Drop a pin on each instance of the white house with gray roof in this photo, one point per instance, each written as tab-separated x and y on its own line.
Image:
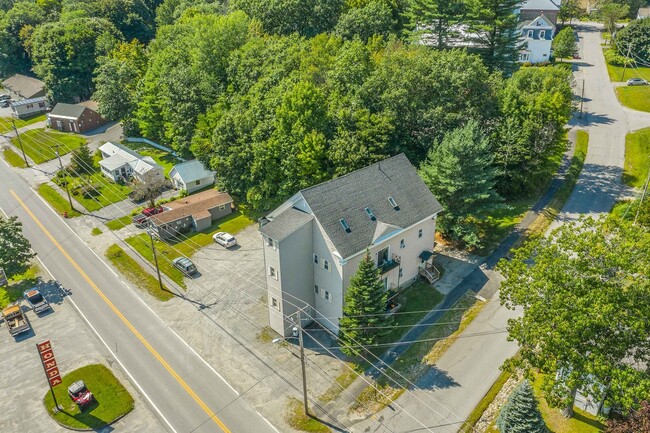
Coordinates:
314	242
190	176
120	162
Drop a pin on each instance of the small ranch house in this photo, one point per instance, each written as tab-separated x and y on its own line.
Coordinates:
120	163
80	117
29	107
24	87
190	176
192	213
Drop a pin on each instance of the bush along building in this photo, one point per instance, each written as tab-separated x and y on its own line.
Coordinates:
313	243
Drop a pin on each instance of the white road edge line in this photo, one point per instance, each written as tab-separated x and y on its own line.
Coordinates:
268	422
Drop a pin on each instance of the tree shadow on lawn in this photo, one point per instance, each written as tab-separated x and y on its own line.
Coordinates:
87	418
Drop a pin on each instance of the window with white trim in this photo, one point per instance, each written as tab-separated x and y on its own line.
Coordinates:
328	296
270	242
531	33
273	273
315	258
316	290
542	34
420	233
326	265
221	207
275	304
402	244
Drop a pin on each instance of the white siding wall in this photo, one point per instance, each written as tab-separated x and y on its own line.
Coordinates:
329	280
540	50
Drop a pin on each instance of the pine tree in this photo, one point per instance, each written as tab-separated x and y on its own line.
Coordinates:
436	16
82	160
460	174
364	308
520	414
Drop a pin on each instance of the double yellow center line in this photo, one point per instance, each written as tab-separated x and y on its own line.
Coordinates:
135	332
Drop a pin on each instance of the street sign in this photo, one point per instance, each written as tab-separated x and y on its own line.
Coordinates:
3	278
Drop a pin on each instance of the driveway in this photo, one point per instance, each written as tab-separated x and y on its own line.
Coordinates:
23	381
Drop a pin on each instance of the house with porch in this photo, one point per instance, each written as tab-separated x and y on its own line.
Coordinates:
313	243
120	163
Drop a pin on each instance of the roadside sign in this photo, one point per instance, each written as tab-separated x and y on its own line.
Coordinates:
49	362
3	278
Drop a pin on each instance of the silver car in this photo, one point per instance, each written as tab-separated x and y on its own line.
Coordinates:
637	82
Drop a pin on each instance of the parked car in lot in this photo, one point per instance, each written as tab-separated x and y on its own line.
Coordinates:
224	239
80	394
637	82
36	301
5	103
139	220
185	265
15	320
150	211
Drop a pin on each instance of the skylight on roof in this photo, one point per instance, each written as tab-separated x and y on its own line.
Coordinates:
393	203
370	214
345	225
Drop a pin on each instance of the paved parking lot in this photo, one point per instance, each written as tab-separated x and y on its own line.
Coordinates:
22	379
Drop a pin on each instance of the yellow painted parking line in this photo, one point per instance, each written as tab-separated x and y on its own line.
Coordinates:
108	302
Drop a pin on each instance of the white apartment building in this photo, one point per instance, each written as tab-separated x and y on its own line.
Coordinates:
314	242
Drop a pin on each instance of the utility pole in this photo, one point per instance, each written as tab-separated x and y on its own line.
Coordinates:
629	50
155	258
67	188
645	190
302	364
582	97
20	142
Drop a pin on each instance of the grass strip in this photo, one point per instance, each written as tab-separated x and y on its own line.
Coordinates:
548	214
13	158
17	285
96	231
55	200
135	274
488	398
5	122
119	223
634	97
112	400
40	145
296	418
637	157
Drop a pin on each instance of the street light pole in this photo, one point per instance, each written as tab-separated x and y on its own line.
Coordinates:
20	142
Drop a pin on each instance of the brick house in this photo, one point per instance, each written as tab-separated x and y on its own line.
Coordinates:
80	117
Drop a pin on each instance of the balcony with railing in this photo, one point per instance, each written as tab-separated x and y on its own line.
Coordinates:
389	264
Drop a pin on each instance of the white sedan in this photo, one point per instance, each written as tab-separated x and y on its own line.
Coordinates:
225	239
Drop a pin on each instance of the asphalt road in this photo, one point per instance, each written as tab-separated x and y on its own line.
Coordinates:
185	392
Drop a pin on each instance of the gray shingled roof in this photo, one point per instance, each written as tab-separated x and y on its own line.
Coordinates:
67	110
286	223
346	197
541	5
25	86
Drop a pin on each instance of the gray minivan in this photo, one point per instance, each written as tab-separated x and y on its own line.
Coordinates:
185	265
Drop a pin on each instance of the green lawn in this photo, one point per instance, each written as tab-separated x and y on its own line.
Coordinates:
581	422
40	145
634	97
296	418
616	73
135	274
112	399
96	231
637	158
119	223
163	158
59	203
17	285
13	158
5	122
500	222
232	224
102	193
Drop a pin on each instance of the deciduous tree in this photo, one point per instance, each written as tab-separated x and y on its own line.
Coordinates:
610	12
460	174
564	43
364	309
635	39
15	249
585	298
638	421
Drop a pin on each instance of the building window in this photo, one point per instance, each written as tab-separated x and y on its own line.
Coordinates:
222	207
382	257
393	203
270	242
326	265
530	33
402	244
30	105
315	258
370	214
198	182
316	289
273	273
328	296
524	57
275	304
401	272
542	33
345	225
420	233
